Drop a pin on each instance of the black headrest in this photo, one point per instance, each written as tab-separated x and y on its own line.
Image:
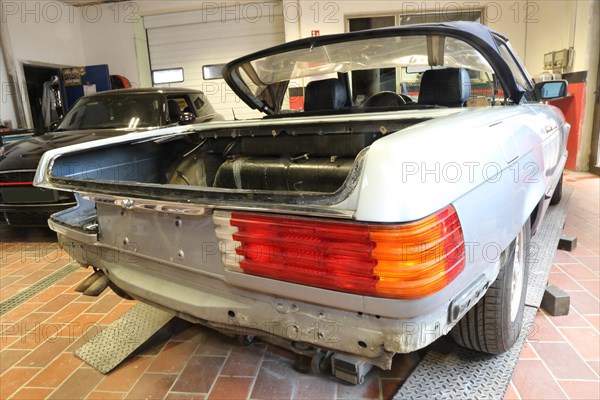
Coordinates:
327	94
174	110
449	87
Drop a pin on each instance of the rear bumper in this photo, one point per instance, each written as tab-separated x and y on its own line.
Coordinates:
211	299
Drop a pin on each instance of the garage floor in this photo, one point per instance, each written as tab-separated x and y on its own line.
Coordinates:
561	358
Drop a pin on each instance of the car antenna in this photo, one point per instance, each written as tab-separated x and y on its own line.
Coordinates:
234	117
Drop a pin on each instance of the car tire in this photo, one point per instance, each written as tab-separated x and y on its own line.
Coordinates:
494	323
557	195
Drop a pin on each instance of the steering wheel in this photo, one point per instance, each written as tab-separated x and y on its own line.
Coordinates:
385	99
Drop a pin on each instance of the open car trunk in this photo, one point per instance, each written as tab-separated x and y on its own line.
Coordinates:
257	161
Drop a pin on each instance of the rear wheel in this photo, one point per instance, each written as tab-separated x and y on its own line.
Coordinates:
494	323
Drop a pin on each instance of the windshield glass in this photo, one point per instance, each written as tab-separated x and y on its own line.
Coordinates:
120	110
368	66
388	52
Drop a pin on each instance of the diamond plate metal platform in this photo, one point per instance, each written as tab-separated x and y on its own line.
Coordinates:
123	337
451	372
38	287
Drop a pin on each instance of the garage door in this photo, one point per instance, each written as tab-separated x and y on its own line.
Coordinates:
213	36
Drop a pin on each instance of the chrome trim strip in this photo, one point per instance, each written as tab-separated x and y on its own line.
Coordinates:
12	171
205	210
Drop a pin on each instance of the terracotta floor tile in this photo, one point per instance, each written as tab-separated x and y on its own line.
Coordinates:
243	361
13	379
280	354
10	291
125	375
533	381
563	361
511	393
578	272
593	287
34	277
32	394
152	386
186	396
32	321
7	340
10	357
581	250
572	319
585	340
543	331
78	385
56	372
105	304
116	313
584	302
563	257
6	281
214	344
315	387
18	313
49	294
276	380
595	365
594	320
199	374
173	357
58	302
578	390
84	324
98	395
528	353
226	388
75	277
44	354
564	280
590	262
69	313
191	333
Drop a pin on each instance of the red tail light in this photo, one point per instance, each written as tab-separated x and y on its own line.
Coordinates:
405	261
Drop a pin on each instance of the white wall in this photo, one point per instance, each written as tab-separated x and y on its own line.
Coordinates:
42	32
108	36
7	111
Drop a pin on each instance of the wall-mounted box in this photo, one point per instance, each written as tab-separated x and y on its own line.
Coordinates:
557	59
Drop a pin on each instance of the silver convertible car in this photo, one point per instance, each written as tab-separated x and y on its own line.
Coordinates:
387	197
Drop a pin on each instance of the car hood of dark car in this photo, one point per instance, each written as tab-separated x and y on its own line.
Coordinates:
26	153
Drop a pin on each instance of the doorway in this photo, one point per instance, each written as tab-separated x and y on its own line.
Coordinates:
39	80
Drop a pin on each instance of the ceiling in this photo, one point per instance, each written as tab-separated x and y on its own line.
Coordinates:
153	7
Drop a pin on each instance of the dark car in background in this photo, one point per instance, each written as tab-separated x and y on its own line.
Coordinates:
93	117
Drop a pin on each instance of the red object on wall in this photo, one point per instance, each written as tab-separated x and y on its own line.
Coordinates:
573	107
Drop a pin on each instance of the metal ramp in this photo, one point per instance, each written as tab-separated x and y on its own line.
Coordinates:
125	336
451	372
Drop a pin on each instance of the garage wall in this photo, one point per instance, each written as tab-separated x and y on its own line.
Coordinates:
108	36
42	32
213	36
7	111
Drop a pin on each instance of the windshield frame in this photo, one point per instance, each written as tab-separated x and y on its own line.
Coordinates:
476	35
157	121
